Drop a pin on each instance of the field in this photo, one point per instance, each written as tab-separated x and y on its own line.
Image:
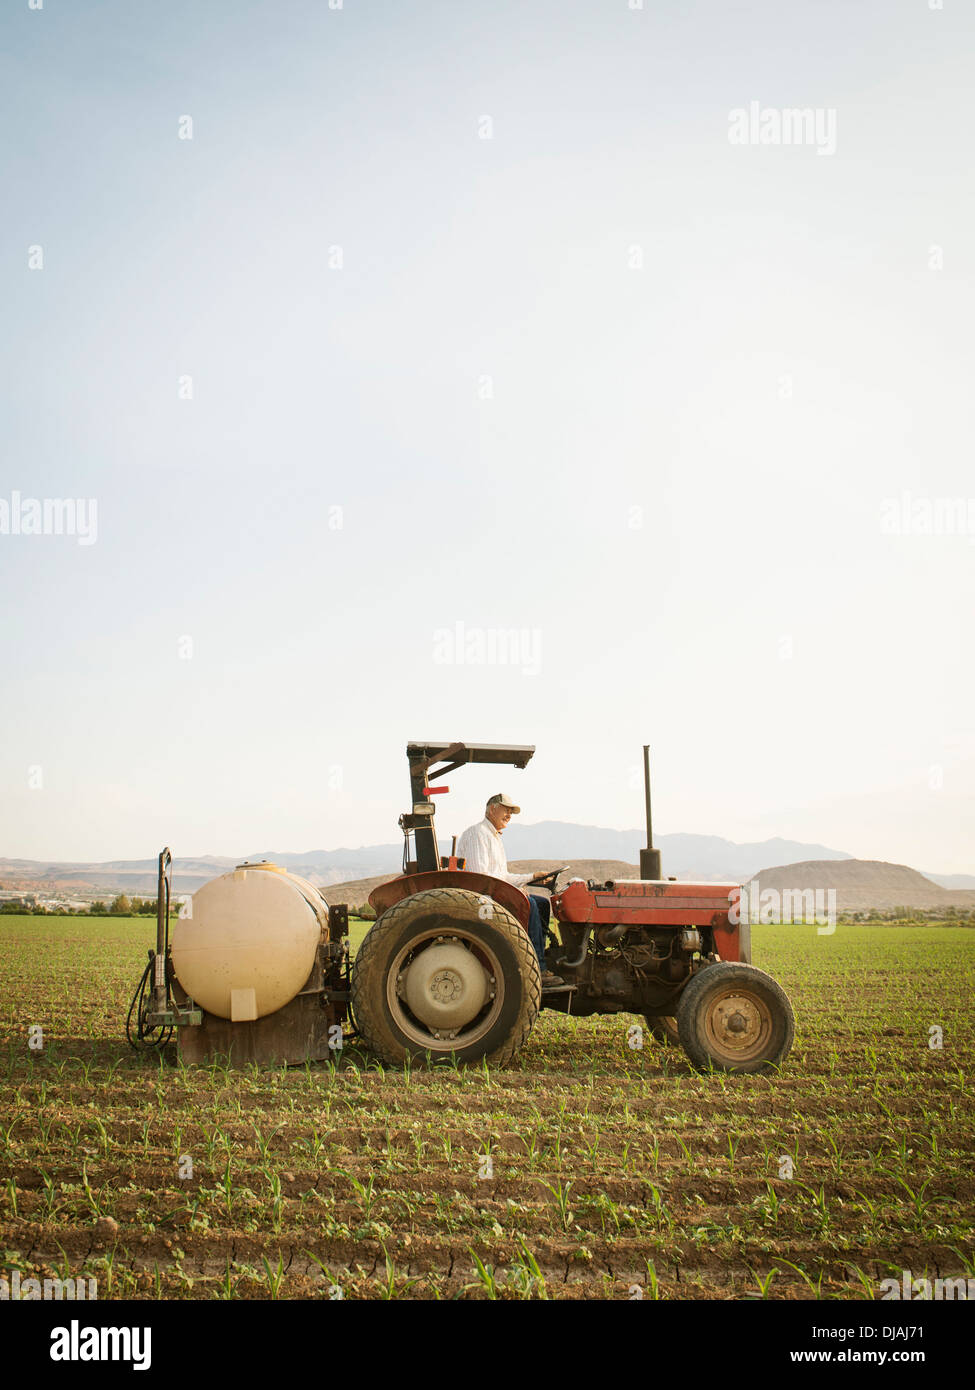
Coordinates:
589	1168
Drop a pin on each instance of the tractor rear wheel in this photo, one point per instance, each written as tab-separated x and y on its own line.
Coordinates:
735	1018
446	971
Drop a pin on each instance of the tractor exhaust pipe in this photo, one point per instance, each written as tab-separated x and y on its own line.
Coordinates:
649	857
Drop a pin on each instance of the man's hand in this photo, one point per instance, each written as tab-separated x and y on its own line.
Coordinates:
545	880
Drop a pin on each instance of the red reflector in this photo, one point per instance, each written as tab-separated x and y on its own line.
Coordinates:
434	791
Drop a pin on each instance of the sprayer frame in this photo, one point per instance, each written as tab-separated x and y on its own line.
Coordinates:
166	1011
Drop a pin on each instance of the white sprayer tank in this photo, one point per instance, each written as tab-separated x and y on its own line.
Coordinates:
248	944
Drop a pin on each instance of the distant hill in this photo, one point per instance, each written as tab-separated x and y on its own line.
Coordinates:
684	856
862	884
592	851
952	880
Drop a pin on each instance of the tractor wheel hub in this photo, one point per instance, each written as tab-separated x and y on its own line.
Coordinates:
445	986
738	1021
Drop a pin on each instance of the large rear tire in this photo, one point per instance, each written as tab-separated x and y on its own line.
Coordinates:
444	972
735	1018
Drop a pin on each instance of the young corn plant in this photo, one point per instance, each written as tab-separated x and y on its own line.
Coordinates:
836	1156
820	1204
226	1185
274	1275
6	1141
526	1277
561	1195
87	1189
764	1284
487	1279
606	1210
51	1205
265	1144
817	1287
661	1216
103	1136
226	1287
773	1203
919	1203
390	1289
364	1191
867	1284
277	1201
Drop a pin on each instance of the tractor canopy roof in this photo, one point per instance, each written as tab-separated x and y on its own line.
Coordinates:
426	754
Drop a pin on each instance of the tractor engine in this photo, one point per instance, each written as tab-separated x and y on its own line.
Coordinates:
630	946
627	974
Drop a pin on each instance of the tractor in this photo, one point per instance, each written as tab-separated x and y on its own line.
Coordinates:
259	968
448	967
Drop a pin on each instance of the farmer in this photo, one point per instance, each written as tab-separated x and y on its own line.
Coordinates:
481	847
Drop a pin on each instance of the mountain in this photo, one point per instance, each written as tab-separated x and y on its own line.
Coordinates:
684	856
704	857
952	880
137	877
861	884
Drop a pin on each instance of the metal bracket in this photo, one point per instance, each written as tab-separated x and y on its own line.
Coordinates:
176	1017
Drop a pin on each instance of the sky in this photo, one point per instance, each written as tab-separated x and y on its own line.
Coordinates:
503	372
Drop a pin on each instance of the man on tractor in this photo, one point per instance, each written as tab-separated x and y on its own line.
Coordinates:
481	848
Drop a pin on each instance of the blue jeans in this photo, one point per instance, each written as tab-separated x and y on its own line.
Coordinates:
541	914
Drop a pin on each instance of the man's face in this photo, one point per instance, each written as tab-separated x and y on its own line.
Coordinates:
499	816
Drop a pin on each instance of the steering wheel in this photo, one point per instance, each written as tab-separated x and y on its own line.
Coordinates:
548	880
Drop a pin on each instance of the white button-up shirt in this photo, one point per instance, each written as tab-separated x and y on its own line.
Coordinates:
480	845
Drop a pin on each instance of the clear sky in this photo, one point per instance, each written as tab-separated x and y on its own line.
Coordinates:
489	321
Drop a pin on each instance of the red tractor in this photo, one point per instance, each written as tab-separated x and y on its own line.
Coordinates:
449	969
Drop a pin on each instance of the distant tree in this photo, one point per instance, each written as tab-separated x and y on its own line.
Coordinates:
122	906
99	909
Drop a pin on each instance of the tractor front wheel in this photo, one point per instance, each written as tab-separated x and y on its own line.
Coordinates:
444	972
735	1018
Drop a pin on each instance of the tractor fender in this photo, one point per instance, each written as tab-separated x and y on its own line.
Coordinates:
497	889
